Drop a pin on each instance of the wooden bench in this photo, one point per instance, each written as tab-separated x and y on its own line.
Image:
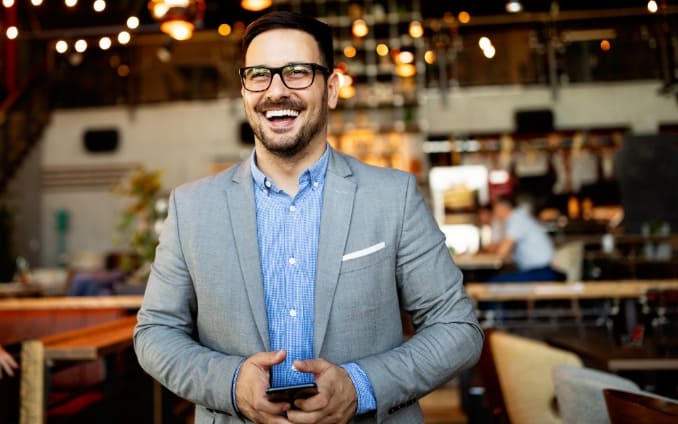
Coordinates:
74	346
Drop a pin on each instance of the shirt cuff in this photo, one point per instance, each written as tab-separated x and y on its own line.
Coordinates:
235	379
363	388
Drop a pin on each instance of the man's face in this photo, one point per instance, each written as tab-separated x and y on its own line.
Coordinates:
285	121
501	211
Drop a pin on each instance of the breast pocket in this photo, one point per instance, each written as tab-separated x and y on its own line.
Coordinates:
363	258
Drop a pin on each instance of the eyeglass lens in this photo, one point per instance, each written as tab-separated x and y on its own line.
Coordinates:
296	76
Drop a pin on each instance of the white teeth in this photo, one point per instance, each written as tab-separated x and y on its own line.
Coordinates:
281	113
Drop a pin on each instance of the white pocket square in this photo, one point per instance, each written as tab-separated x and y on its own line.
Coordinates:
363	252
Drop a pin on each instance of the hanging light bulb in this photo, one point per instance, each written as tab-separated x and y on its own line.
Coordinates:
255	5
359	28
513	6
177	17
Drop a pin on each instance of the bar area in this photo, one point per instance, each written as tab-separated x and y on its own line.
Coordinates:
541	135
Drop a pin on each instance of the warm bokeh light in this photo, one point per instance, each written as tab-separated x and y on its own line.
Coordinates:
349	51
105	43
406	70
8	3
484	43
123	70
12	32
178	29
224	30
430	57
359	28
652	6
70	3
416	30
158	9
61	46
347	91
605	45
132	22
124	37
255	5
382	49
405	57
464	17
513	6
36	2
489	52
80	46
99	5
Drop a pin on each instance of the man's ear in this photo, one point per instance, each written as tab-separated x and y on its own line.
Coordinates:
333	82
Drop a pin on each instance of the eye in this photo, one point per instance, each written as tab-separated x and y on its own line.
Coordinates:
297	71
257	73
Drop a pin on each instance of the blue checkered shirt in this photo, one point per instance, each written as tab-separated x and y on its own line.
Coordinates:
288	230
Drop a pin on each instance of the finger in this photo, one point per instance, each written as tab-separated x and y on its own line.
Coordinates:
314	366
268	359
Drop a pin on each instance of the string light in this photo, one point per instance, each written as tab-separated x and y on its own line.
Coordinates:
36	2
359	28
464	17
70	3
105	43
416	30
255	5
124	37
382	49
99	5
224	30
513	6
8	3
132	22
80	46
430	57
652	6
12	32
61	46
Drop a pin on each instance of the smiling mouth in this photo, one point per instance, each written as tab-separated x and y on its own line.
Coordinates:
281	114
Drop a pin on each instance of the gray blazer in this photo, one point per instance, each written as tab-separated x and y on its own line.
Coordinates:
380	249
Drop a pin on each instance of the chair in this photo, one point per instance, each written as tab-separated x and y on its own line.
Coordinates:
524	370
568	259
580	393
639	408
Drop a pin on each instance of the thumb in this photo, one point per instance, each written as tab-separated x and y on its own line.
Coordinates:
313	366
268	359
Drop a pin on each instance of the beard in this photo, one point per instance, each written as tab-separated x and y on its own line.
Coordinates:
288	145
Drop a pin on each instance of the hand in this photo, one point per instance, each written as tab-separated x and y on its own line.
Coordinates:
336	401
7	363
250	389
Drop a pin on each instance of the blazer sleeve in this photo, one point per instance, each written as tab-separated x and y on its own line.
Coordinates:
164	338
448	338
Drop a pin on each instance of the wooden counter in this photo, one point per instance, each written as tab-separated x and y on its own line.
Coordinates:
621	289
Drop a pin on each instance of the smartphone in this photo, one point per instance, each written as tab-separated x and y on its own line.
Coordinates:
291	393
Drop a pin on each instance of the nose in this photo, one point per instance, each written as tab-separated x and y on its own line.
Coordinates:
277	87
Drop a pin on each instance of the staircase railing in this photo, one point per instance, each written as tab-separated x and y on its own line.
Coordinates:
23	116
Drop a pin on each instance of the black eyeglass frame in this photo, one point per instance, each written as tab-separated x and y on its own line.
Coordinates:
278	70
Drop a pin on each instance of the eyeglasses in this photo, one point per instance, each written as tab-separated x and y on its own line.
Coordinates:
295	76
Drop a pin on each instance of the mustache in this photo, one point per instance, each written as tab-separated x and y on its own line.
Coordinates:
282	104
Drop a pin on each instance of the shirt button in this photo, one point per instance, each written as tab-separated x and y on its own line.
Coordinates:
293	208
315	184
293	312
292	261
267	183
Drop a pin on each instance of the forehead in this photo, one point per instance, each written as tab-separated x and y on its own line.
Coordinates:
281	46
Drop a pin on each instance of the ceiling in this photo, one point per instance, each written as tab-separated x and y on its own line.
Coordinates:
53	18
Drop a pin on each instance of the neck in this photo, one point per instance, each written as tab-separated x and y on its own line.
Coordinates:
285	171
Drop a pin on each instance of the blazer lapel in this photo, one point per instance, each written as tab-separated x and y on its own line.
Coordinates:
244	226
335	220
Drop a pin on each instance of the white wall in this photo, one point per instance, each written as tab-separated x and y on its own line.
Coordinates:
185	138
491	109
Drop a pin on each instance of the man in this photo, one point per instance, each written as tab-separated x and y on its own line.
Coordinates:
291	267
526	241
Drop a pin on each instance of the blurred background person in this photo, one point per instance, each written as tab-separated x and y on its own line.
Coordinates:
525	242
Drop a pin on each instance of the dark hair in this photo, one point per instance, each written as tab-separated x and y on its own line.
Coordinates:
320	31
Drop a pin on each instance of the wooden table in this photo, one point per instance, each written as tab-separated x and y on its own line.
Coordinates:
485	261
598	346
85	344
621	289
14	290
71	303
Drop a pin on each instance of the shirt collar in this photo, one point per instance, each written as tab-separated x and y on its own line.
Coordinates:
316	173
